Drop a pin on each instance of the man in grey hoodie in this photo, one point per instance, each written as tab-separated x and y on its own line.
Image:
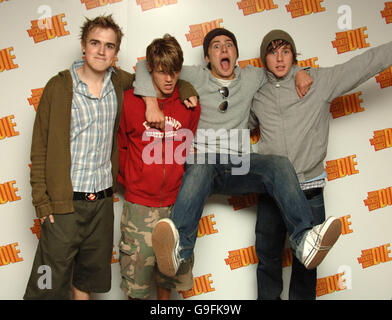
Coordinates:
298	129
226	93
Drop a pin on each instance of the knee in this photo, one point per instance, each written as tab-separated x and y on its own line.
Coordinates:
283	165
281	161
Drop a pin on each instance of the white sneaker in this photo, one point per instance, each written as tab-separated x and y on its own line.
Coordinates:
318	241
165	242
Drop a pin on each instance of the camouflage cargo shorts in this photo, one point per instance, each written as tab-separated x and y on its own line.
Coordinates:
137	258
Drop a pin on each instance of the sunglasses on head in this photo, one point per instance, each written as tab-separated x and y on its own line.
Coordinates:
224	91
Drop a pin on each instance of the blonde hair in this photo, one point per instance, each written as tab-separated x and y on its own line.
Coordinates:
165	52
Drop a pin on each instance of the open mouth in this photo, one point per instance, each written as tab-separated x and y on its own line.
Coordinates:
225	64
168	87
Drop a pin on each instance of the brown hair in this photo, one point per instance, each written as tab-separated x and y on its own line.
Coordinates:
104	22
165	52
276	44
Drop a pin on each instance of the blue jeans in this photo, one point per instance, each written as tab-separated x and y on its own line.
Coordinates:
268	174
270	241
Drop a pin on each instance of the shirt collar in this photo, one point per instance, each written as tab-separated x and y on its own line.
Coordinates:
237	72
273	78
76	81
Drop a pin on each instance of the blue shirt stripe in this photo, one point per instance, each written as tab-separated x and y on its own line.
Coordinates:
92	122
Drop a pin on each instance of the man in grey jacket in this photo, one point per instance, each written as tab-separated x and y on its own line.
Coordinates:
298	129
226	92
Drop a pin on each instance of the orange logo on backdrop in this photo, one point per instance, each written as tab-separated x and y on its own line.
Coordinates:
350	40
2	1
242	257
245	201
299	8
255	6
287	259
311	62
379	199
36	228
255	135
374	256
387	12
152	4
206	226
345	105
114	259
6	58
197	32
9	254
35	97
246	256
256	62
201	285
385	78
8	192
341	167
346	224
382	139
7	127
48	29
92	4
114	63
330	284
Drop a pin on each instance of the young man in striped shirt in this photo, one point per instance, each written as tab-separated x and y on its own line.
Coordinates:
74	160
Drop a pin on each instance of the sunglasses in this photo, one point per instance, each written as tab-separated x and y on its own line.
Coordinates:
224	91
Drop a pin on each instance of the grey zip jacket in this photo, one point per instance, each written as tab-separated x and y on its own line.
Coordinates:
298	129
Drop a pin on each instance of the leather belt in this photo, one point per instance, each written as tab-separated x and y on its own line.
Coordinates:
311	193
91	196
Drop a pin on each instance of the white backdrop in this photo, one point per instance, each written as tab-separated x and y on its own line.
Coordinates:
225	266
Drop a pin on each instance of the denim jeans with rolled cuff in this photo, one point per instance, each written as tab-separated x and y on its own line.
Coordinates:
267	174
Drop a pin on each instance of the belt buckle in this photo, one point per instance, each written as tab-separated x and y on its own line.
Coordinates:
90	197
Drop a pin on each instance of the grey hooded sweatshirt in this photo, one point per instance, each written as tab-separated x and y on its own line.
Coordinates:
299	128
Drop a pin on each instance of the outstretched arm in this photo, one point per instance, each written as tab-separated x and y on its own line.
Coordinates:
344	77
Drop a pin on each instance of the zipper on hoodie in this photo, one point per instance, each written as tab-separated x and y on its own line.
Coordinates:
163	160
277	99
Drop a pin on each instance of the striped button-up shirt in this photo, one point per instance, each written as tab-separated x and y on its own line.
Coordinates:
92	122
317	182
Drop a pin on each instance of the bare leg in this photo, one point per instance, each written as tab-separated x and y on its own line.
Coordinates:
80	295
163	294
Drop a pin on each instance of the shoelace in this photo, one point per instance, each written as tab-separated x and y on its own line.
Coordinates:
316	242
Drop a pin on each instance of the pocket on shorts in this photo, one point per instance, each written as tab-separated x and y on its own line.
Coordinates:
127	248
